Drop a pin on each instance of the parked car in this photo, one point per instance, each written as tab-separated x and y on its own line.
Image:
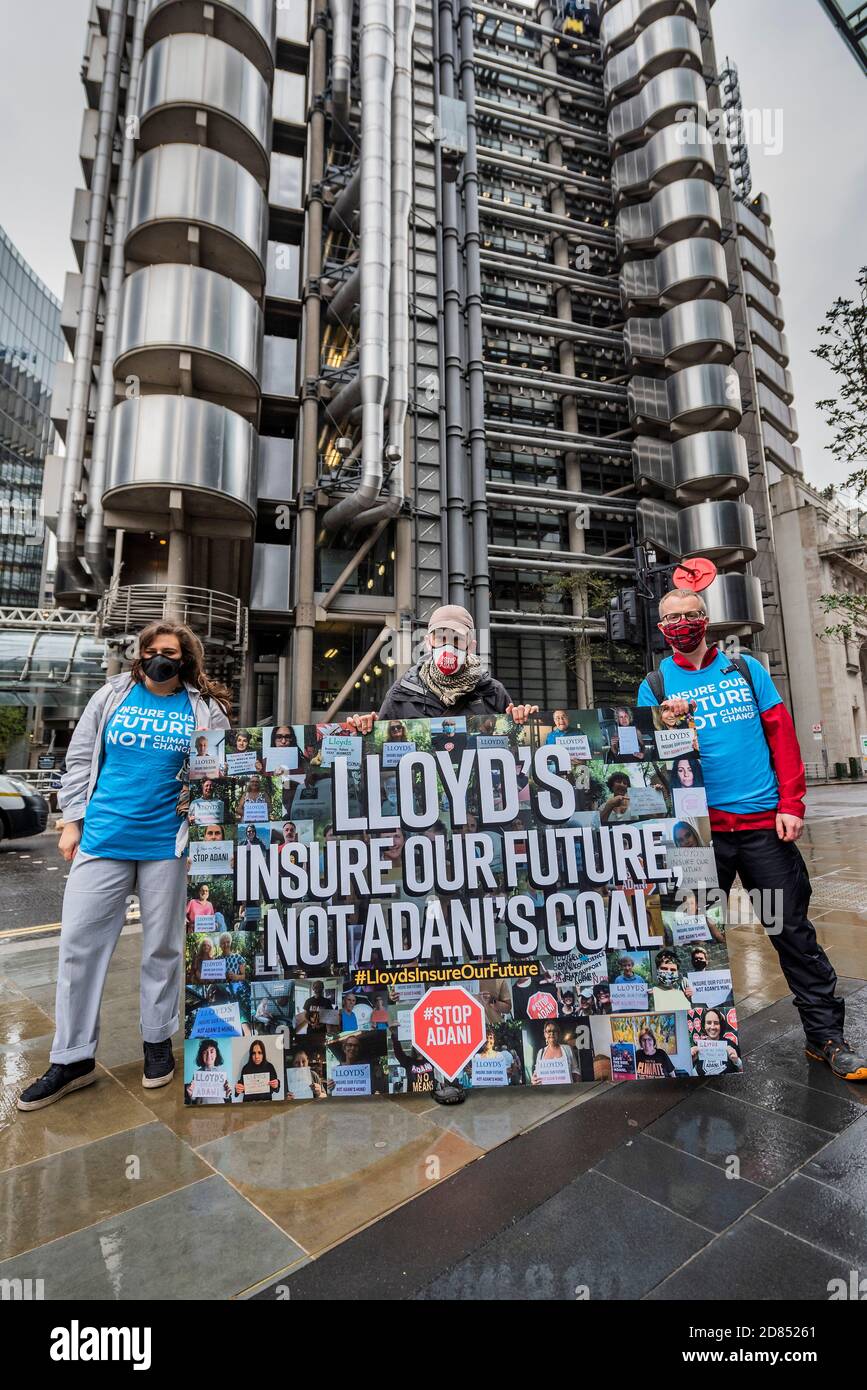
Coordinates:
23	811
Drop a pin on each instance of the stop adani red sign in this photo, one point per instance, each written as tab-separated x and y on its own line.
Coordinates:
448	1028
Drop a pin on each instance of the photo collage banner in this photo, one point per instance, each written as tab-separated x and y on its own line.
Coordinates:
553	883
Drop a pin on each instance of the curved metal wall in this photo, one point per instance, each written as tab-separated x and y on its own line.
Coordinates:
178	186
160	443
170	309
675	282
185	74
248	25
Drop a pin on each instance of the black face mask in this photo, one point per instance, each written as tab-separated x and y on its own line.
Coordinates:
161	668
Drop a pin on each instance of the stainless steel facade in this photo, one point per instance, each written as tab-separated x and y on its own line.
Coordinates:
413	302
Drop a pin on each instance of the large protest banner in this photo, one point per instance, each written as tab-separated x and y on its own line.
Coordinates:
505	905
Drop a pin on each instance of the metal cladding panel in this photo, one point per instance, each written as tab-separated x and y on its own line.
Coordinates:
189	307
668	43
721	530
682	272
159	443
699	394
682	151
700	330
248	25
197	72
658	104
734	603
623	22
703	461
190	184
685	208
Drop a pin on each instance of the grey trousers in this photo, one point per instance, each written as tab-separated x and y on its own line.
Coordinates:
94	908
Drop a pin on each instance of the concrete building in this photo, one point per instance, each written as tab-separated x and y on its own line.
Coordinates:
822	549
30	344
383	303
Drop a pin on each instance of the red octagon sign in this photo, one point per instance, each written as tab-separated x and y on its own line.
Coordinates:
448	1027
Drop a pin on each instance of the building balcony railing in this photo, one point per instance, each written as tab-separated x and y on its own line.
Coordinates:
218	620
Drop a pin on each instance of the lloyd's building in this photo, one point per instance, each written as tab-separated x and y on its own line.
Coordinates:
387	303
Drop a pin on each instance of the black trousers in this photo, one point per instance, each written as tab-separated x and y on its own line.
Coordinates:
763	861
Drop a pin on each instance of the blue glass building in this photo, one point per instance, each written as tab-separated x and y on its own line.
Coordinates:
30	343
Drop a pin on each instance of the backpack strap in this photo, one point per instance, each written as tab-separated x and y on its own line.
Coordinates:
656	682
742	666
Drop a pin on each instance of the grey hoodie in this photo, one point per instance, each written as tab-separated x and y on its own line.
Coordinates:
84	755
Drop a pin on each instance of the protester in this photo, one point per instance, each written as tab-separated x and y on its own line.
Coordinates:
755	784
257	1064
561	1066
210	1058
449	680
134	734
651	1062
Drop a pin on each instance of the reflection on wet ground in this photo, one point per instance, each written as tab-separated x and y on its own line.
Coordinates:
220	1202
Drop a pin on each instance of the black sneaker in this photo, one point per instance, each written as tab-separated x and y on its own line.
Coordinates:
58	1081
159	1064
449	1093
838	1055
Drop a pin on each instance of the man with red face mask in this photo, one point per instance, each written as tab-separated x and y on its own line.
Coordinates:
449	679
755	783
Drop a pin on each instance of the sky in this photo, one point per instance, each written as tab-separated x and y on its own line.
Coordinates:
789	56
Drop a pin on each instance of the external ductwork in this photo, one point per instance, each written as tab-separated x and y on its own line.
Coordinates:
341	58
73	463
625	20
697	398
346	204
682	151
692	269
669	43
94	534
709	465
377	74
685	208
698	331
666	98
401	200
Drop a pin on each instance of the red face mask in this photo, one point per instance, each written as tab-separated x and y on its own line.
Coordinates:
685	635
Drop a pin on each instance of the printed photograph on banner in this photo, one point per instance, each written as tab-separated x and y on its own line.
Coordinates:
243	752
209	802
257	1070
272	1007
216	1010
211	903
359	881
211	850
713	1039
674	735
207	1069
628	734
578	731
207	756
553	1052
357	1064
284	750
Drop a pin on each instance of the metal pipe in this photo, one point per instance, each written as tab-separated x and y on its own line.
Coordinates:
556	385
456	529
377	72
345	205
554	440
341	66
305	549
475	341
544	630
343	306
82	368
373	650
94	532
398	311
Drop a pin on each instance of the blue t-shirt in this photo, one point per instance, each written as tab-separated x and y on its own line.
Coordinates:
735	758
133	811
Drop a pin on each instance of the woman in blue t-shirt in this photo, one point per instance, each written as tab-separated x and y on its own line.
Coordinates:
124	800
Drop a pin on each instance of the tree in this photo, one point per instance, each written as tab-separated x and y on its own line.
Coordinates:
844	349
12	726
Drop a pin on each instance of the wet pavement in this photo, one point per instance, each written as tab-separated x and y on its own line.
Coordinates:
752	1186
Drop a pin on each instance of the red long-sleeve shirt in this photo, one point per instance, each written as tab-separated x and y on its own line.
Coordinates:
787	762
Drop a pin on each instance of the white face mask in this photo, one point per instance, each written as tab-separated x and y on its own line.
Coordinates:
448	659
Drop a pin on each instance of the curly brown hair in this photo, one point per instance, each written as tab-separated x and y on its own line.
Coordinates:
192	670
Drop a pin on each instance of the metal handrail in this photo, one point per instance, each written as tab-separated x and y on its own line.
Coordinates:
217	619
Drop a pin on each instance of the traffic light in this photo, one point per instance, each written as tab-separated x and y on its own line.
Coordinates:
622	620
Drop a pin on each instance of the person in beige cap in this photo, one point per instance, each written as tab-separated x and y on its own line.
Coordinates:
449	679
